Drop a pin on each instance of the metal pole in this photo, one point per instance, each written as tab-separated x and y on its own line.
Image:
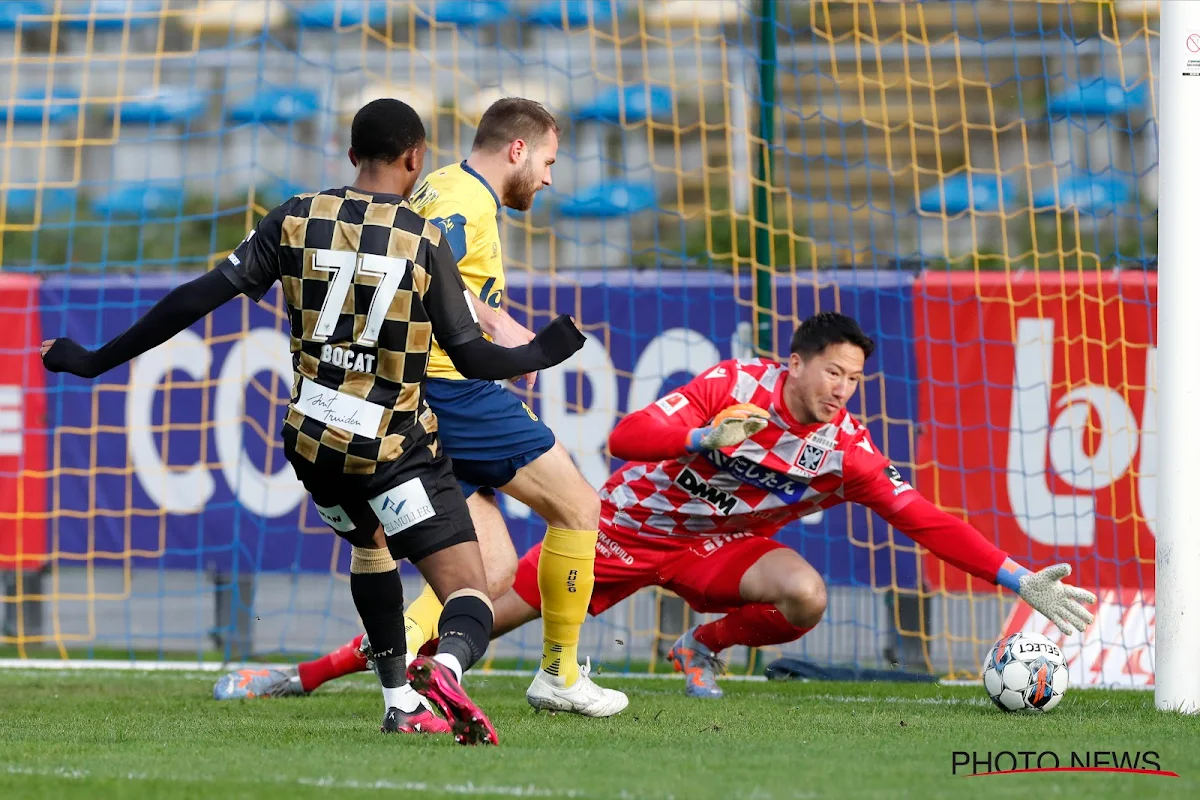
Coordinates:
1177	554
763	273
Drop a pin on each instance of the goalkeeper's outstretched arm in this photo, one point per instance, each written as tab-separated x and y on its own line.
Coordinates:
183	306
958	543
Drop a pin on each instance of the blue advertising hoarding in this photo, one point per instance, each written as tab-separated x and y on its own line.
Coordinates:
175	460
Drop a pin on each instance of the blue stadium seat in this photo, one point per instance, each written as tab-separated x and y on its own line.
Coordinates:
273	191
1097	97
325	13
608	199
985	189
278	104
165	105
55	200
117	9
1094	195
577	13
466	13
640	103
10	10
140	199
30	106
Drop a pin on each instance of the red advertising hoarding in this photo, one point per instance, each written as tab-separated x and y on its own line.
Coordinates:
23	442
1036	421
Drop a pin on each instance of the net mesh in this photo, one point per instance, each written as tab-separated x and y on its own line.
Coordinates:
975	181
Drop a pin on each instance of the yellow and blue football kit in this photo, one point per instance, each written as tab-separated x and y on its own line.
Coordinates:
487	431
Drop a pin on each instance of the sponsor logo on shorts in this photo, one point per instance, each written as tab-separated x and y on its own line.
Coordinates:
402	506
610	549
336	518
694	485
712	544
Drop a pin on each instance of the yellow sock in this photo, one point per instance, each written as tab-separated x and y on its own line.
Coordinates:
421	619
565	578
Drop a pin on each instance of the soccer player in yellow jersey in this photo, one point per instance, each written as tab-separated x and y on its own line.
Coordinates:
493	439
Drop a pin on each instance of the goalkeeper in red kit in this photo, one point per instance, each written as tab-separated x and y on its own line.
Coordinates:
713	471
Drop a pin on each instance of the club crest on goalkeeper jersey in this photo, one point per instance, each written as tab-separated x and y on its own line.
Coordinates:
784	472
368	283
458	200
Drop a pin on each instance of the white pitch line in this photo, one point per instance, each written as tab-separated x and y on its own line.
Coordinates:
71	665
468	788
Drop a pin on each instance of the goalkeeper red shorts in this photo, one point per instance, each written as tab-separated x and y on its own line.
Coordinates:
706	573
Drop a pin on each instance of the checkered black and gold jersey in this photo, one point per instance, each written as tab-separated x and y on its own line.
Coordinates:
368	283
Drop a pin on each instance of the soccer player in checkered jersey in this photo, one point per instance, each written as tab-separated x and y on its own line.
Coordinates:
716	468
368	283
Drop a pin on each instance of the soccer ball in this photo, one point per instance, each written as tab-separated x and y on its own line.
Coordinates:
1025	672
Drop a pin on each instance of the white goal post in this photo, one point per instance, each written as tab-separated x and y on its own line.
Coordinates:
1177	559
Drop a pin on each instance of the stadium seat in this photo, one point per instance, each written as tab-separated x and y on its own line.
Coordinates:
609	199
113	15
331	14
54	201
465	13
149	199
33	105
12	10
280	104
270	192
639	101
982	192
947	224
164	105
1097	97
1093	195
602	223
571	13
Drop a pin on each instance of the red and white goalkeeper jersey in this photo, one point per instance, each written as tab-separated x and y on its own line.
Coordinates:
784	472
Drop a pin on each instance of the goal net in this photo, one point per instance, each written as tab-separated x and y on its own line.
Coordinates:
974	181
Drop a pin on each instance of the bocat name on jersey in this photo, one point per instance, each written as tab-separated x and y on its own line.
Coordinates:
348	359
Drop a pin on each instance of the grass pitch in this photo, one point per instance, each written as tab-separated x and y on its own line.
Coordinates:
120	734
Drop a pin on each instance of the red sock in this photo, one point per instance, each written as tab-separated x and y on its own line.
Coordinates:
345	660
755	625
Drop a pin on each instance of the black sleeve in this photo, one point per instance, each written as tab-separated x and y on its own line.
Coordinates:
447	301
183	306
254	264
483	360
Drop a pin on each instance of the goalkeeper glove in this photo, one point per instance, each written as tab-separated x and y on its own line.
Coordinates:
1058	602
731	427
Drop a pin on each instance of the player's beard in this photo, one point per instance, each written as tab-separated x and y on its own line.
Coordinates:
520	188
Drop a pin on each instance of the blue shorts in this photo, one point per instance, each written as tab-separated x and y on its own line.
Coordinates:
487	431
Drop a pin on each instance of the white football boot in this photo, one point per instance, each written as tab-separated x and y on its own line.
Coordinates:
547	693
